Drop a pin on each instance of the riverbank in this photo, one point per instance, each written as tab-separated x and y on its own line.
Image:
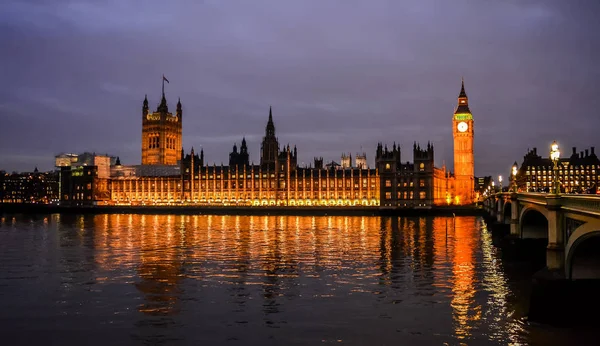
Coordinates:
222	210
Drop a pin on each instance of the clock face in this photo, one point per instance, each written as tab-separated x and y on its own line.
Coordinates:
462	126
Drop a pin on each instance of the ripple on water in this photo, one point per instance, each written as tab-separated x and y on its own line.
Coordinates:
260	280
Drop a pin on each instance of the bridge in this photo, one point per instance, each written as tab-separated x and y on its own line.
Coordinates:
570	223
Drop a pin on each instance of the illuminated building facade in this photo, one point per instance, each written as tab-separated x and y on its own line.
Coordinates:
29	187
579	173
277	180
418	184
464	166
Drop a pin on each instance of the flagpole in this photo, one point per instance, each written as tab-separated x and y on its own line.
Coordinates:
163	85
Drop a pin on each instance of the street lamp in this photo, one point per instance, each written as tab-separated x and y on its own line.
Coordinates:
555	156
500	182
494	186
514	176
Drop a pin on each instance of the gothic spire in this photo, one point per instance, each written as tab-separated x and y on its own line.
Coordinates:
270	130
463	101
145	106
462	89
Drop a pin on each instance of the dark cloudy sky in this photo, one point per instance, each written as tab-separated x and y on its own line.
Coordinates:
341	75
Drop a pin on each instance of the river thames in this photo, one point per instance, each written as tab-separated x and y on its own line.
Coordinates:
262	280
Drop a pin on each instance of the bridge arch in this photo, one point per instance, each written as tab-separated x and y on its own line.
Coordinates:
533	222
507	211
582	259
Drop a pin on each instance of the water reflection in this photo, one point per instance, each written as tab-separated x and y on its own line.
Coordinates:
424	280
275	251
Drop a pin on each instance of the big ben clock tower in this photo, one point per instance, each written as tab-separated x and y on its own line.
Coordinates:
464	168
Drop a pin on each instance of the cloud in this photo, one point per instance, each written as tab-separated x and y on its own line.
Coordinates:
340	75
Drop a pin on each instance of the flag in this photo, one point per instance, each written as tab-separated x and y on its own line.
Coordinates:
165	79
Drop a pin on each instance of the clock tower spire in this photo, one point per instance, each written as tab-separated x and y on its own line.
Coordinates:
463	133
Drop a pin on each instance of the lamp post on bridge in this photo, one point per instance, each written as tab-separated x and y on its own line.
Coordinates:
500	182
514	177
494	187
555	156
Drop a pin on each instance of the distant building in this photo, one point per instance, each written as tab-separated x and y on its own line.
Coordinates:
29	187
346	160
65	160
103	162
578	173
361	161
481	184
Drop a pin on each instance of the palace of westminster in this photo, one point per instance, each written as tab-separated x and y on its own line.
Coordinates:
169	176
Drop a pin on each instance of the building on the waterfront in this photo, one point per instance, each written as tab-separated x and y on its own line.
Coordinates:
481	185
103	162
464	166
29	187
166	178
416	184
577	173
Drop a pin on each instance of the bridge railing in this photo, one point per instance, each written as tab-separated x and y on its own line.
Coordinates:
533	197
578	203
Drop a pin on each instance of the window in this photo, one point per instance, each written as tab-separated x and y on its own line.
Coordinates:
387	166
388	183
388	195
422	195
422	183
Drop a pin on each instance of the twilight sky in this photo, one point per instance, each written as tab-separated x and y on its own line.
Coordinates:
340	75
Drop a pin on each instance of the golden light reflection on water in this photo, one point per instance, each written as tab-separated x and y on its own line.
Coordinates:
466	310
448	261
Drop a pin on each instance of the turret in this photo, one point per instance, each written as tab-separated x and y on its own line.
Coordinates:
244	147
163	107
179	110
145	106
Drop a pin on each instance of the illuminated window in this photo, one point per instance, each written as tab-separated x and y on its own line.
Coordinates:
388	195
422	195
387	166
388	183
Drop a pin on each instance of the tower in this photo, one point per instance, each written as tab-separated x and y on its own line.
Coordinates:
161	133
270	146
388	164
464	167
346	160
